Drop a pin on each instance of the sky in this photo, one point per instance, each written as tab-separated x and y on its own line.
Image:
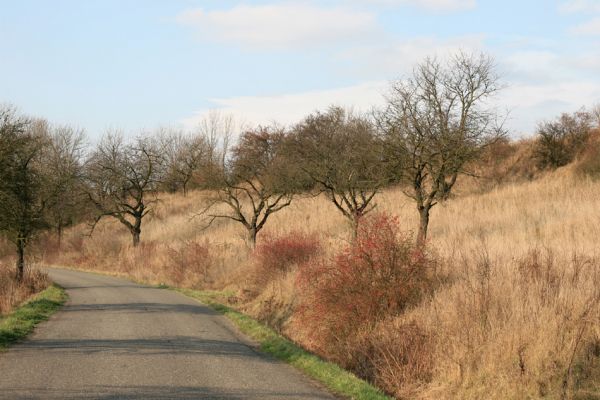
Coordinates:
139	64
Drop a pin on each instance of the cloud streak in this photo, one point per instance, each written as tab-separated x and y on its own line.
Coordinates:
281	25
431	5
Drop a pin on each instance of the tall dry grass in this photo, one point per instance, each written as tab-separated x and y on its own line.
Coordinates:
13	293
518	315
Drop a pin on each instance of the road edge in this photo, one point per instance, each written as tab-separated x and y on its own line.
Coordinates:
19	323
331	375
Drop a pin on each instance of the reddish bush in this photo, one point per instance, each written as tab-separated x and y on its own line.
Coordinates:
192	262
277	255
379	275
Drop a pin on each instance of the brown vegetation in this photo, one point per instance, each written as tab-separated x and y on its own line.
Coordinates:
14	292
499	296
514	313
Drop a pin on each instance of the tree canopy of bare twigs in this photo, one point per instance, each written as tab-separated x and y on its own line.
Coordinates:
596	114
254	183
64	159
186	157
123	179
559	141
340	156
436	122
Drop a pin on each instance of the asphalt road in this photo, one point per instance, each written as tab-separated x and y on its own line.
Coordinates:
115	339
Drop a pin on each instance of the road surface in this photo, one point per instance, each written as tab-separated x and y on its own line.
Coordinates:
118	340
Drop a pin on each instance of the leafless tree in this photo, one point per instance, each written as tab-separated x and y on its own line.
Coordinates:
186	155
217	129
596	115
254	183
341	157
24	189
64	158
436	122
123	178
559	141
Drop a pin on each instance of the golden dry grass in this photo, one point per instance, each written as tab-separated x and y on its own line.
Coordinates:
13	293
519	316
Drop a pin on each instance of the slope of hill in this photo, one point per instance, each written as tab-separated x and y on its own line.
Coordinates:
515	311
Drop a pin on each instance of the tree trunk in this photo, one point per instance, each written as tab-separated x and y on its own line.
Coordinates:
354	223
135	234
252	233
423	224
136	231
59	233
20	259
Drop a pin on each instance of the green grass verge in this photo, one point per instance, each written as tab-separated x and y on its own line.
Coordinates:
21	321
331	375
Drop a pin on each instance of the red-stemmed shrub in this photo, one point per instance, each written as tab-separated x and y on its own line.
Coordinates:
378	276
190	262
276	255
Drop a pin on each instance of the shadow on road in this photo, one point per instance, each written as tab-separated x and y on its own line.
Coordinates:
156	393
176	345
141	308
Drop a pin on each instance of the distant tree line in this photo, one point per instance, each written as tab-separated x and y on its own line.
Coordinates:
434	126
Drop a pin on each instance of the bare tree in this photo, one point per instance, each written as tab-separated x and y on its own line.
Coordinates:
341	157
254	183
186	155
123	179
64	158
24	194
559	141
596	114
435	123
217	129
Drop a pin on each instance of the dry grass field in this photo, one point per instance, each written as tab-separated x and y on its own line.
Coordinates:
515	312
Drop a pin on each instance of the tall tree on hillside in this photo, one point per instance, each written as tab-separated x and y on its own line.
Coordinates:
559	141
437	122
186	155
596	115
255	183
217	129
64	158
24	191
123	179
341	157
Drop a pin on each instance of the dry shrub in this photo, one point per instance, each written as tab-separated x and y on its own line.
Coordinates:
13	293
379	275
589	160
515	329
277	255
397	355
191	262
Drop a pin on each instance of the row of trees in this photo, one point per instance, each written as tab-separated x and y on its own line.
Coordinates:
435	124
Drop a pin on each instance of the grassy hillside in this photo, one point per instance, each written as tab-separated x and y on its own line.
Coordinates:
514	311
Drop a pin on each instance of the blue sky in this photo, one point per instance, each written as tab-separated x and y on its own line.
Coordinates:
138	64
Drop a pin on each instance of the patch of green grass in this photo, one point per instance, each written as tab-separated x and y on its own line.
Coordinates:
20	322
331	375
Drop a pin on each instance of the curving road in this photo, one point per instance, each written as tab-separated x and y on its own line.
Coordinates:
115	339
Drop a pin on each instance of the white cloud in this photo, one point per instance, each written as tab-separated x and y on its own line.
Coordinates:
281	25
396	58
591	27
528	103
432	5
291	108
576	6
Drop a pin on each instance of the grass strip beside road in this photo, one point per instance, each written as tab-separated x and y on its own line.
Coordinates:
329	374
20	322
